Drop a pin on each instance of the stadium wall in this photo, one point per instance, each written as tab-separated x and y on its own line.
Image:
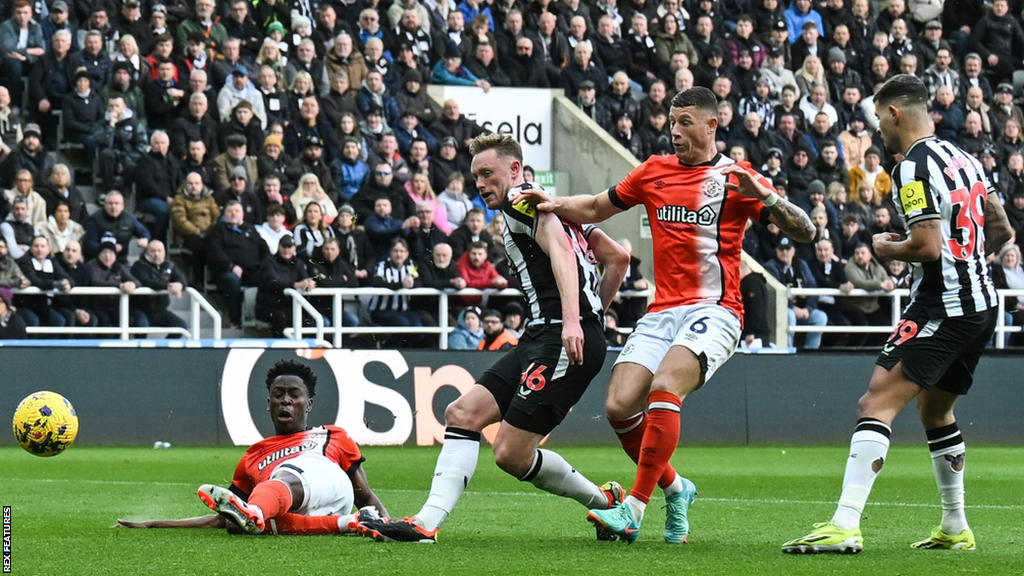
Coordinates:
217	396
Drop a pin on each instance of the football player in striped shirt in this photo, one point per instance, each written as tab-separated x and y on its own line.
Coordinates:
532	388
955	218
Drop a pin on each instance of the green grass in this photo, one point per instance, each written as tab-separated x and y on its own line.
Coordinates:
750	501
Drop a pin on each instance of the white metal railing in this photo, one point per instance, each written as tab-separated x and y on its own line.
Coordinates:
124	330
339	295
898	297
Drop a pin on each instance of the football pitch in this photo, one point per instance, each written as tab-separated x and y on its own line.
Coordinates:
750	500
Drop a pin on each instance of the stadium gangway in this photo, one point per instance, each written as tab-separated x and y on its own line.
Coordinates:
197	304
338	295
898	297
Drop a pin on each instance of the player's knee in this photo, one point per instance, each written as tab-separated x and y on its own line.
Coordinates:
620	406
678	382
868	406
512	460
458	415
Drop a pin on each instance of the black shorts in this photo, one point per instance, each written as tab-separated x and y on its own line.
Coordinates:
941	352
533	383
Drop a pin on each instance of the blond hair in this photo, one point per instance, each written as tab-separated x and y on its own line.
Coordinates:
503	145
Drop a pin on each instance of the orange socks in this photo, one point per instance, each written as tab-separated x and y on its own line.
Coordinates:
658	444
273	497
630	433
298	525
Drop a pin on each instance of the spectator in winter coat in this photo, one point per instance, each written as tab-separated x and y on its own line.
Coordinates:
383	228
356	248
121	141
947	116
60	229
114	222
155	271
469	331
157	178
455	201
450	72
277	273
234	251
332	271
82	110
21	40
350	170
106	271
193	213
453	123
477	271
382	184
194	124
44	273
794	273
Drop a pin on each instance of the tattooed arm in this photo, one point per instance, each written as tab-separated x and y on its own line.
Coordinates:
790	219
997	228
924	244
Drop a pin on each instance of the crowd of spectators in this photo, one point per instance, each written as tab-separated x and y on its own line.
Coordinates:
291	143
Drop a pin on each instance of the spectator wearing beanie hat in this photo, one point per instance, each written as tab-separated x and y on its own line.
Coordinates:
871	172
273	160
856	139
413	96
122	84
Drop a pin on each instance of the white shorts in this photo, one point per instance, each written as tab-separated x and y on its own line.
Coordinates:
326	487
710	332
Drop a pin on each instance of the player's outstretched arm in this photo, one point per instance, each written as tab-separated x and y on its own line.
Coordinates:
362	494
582	209
210	521
552	239
790	219
616	264
997	228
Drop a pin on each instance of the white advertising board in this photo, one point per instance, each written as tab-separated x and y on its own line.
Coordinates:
523	113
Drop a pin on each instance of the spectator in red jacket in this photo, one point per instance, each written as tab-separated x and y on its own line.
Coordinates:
477	271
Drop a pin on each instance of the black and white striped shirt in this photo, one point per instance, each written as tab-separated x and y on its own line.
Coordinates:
388	275
938	180
533	266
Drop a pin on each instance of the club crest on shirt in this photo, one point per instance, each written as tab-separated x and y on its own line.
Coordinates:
713	188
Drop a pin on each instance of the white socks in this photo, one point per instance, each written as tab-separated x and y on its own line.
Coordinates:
637	507
868	448
948	449
675	487
454	469
551	473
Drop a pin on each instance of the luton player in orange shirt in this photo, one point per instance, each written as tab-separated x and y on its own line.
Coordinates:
300	481
698	202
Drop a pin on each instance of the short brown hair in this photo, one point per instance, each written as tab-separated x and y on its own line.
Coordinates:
502	144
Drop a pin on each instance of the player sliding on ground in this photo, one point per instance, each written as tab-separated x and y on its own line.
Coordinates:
698	203
955	219
300	481
531	389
